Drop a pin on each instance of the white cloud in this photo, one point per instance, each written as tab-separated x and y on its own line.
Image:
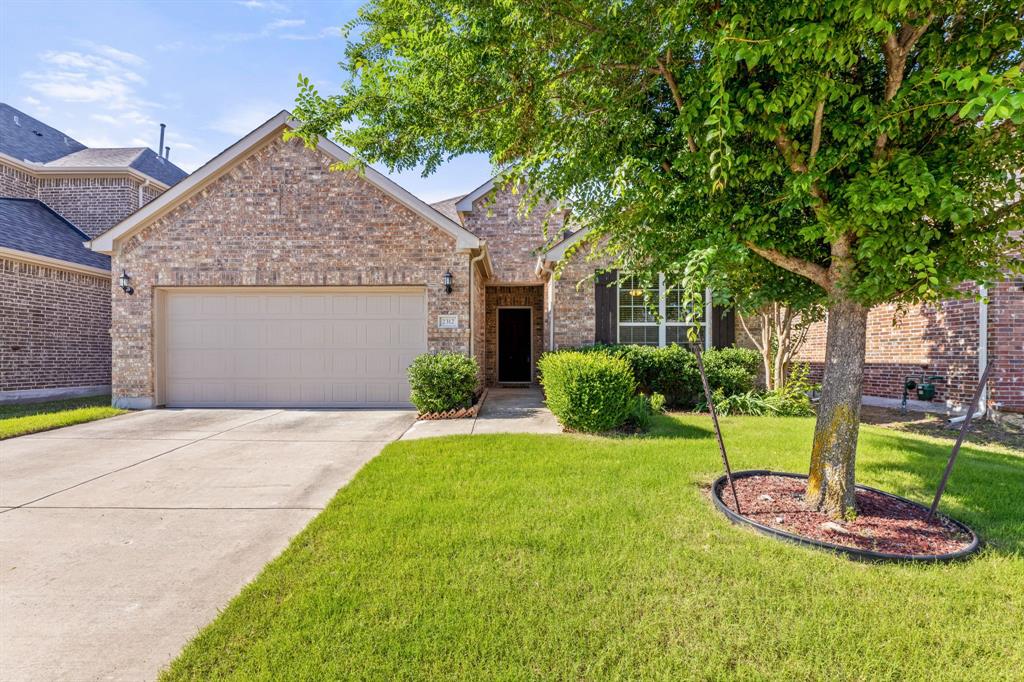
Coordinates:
266	5
244	118
115	54
285	23
325	32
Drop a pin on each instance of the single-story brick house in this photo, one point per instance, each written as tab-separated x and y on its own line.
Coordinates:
56	193
266	279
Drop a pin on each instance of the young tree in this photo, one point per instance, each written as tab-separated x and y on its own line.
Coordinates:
853	151
778	335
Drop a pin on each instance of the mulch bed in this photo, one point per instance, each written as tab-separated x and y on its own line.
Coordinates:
458	413
883	523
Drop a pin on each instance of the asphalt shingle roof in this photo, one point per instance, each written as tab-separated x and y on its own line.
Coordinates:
447	208
29	225
29	139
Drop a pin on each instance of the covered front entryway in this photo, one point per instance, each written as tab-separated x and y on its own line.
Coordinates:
515	354
514	333
289	347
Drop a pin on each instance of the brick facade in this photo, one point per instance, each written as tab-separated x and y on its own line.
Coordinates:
513	240
512	296
54	326
17	183
281	218
939	339
93	205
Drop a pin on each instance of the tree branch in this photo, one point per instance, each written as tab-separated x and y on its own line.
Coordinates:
805	268
896	48
819	115
678	98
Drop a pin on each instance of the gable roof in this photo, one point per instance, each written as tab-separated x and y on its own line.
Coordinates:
557	250
29	139
447	207
30	226
465	204
219	164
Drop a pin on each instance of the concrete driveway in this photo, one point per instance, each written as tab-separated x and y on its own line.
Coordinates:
119	539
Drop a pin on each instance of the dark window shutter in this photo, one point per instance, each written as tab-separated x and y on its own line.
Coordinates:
605	294
723	326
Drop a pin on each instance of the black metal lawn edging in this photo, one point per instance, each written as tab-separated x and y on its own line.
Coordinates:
851	552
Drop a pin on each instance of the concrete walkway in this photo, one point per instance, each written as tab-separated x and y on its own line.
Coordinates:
505	410
121	538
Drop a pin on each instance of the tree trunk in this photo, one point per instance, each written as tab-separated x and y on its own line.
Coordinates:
830	486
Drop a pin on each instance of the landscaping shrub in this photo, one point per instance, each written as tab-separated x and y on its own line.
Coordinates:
791	400
588	391
733	370
642	409
442	381
672	370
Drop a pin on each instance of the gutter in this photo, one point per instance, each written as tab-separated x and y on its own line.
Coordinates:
472	270
542	269
982	359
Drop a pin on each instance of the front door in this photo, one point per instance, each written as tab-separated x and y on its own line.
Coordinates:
515	356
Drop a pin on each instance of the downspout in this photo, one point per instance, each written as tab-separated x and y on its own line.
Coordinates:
550	270
472	289
982	358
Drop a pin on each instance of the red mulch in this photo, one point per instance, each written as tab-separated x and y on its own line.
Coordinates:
883	524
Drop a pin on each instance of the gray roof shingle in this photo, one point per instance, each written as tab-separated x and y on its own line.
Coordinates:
447	207
29	225
29	139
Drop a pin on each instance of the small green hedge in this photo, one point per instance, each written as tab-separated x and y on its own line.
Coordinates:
672	371
589	392
442	381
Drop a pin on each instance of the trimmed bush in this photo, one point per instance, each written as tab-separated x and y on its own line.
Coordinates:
442	381
588	391
672	370
731	370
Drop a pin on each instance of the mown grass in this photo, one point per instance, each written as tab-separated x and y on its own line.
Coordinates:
574	557
24	418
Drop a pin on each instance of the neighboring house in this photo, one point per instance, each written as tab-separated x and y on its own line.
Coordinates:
952	339
55	194
264	279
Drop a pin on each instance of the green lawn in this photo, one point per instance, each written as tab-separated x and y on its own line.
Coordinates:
574	557
17	420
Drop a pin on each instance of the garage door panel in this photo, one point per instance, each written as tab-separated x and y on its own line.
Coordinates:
264	348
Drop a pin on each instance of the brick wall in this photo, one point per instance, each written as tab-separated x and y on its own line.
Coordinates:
498	296
93	205
479	323
16	183
939	339
574	299
281	218
512	239
1006	344
54	327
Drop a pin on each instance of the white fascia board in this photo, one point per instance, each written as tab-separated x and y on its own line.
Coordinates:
465	204
104	243
557	252
47	261
41	170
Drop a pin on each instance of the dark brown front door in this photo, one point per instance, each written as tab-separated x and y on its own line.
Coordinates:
514	356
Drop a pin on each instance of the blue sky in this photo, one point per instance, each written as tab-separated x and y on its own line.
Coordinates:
107	73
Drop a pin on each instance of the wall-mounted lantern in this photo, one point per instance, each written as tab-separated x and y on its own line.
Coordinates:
125	282
448	282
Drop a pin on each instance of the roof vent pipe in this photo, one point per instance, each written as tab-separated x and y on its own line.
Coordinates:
167	153
161	147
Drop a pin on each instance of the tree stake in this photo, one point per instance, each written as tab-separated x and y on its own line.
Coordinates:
959	439
718	429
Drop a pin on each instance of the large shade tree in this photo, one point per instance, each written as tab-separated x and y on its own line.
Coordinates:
837	152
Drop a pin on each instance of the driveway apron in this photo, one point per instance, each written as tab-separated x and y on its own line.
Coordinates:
120	539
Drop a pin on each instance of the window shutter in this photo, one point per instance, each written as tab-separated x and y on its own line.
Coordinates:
723	326
605	298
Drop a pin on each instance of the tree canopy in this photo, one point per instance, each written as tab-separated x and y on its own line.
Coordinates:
873	143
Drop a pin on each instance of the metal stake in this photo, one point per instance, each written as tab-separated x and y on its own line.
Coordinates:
718	430
959	439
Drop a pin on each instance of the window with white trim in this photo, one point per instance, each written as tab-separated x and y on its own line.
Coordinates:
638	324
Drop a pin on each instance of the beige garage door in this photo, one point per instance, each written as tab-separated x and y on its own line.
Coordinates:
291	348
